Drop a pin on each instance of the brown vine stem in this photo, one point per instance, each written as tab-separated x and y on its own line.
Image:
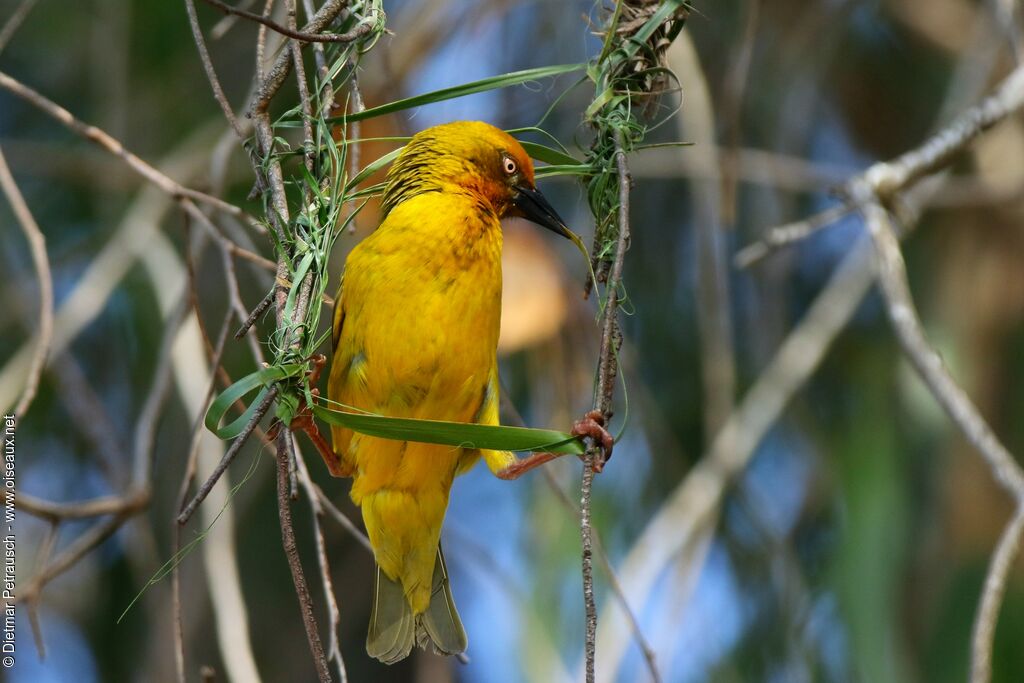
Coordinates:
607	371
291	552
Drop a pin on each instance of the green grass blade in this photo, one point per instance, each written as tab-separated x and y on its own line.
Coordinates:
483	85
456	434
568	169
372	168
549	155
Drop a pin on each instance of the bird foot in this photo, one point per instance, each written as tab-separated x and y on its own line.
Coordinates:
592	426
303	421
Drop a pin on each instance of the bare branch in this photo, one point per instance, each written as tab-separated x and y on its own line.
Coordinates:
301	36
211	73
889	177
508	408
104	140
97	507
783	235
607	371
886	179
251	319
70	556
188	477
273	81
343	519
14	21
221	28
333	613
685	518
291	552
984	630
37	245
229	456
892	276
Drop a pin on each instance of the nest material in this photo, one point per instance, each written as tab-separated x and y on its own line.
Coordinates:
631	75
645	75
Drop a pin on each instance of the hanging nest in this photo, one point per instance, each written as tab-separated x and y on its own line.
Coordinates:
639	68
631	74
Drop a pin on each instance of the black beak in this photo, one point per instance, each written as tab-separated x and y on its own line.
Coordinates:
535	207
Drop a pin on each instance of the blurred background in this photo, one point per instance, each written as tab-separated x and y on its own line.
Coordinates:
850	544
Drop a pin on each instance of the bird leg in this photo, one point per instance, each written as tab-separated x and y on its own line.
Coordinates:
524	465
303	421
592	426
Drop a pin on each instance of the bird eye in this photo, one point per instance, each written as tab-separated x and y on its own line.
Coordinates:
510	165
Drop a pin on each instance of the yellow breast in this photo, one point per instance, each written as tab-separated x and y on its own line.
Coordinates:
420	308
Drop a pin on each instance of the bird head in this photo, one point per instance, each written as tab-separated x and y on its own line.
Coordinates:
474	158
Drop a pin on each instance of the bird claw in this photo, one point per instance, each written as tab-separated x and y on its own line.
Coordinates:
592	427
303	421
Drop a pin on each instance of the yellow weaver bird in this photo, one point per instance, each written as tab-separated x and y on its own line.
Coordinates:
415	335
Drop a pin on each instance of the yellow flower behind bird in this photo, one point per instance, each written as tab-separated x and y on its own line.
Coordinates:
415	335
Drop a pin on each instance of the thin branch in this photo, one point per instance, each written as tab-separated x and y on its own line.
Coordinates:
613	580
607	371
685	518
342	519
892	276
291	552
186	481
70	556
14	21
229	456
783	235
333	613
322	70
272	82
589	604
251	319
107	142
129	503
237	305
984	630
261	47
886	179
37	245
211	73
221	28
301	36
510	410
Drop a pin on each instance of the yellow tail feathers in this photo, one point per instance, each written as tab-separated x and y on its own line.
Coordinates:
394	628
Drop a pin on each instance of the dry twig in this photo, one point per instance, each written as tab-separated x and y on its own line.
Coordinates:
112	145
289	32
37	246
291	552
333	613
14	21
892	276
879	187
